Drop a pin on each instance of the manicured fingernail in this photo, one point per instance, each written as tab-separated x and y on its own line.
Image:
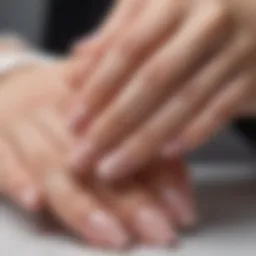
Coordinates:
178	203
82	158
78	118
104	228
112	167
29	198
155	226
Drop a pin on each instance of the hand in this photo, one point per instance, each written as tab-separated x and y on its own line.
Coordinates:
33	173
22	91
175	71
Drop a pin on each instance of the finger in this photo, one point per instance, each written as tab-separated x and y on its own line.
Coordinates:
126	55
121	116
38	154
223	107
149	141
52	124
82	212
121	17
143	233
170	182
204	86
16	181
142	215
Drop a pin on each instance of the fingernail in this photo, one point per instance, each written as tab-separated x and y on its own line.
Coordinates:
82	158
178	203
78	118
154	226
29	198
104	228
112	167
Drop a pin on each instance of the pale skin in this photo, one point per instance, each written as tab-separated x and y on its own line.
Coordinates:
34	142
163	77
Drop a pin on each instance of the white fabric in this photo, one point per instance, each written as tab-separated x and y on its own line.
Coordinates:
227	209
10	60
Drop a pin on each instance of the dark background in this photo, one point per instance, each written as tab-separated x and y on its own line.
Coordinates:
69	20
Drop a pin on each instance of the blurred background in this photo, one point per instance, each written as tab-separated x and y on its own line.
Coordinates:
54	24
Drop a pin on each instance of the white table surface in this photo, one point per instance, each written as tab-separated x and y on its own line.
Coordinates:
228	226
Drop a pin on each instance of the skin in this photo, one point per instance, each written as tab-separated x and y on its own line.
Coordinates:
34	142
163	77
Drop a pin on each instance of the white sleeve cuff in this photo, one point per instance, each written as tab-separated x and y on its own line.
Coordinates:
10	60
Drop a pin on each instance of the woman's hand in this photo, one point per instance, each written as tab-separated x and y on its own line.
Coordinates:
146	209
34	142
174	71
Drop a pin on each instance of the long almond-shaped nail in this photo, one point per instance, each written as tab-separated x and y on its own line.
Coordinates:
154	226
106	230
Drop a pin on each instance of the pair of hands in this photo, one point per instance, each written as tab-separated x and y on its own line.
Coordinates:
162	76
34	143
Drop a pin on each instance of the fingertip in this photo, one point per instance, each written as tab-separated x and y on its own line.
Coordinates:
106	229
108	168
155	227
183	209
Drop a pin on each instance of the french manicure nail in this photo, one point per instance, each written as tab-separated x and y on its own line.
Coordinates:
104	228
155	226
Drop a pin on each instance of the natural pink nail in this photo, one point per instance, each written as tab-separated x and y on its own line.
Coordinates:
178	203
113	166
154	226
103	228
